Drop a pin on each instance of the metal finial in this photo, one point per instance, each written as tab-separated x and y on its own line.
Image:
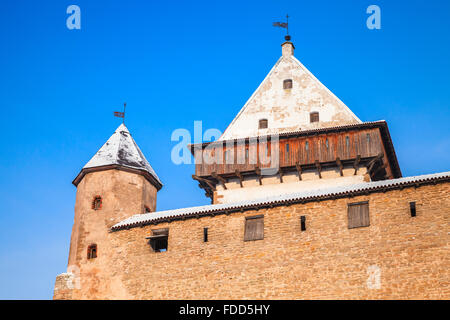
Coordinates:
121	114
284	25
124	107
287	24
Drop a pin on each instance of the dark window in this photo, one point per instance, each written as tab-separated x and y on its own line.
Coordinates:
303	223
147	209
314	117
246	154
287	147
97	203
254	228
347	141
306	145
159	240
412	209
358	215
205	234
92	251
326	143
287	84
263	124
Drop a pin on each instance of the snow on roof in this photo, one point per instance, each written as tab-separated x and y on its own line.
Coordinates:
121	149
140	219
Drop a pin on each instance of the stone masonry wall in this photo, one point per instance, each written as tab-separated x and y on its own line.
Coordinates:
327	261
123	194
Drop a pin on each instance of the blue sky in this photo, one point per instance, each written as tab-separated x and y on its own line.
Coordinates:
174	62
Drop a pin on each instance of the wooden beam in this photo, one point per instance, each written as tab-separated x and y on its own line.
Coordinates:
258	173
378	169
201	185
239	175
374	161
299	170
319	168
341	167
356	164
209	183
221	179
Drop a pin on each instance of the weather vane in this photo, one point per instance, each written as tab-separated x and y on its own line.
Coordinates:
284	25
121	114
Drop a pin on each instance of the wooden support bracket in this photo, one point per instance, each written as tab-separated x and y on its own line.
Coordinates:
219	178
356	164
209	183
319	168
258	173
299	170
239	175
341	167
374	161
378	169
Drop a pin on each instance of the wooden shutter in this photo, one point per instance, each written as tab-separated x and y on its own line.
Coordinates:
254	228
358	215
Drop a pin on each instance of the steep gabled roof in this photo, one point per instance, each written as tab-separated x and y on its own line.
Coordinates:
289	109
120	151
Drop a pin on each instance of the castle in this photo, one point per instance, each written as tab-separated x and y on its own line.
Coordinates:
308	202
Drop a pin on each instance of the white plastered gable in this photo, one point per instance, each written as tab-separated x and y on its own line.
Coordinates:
289	110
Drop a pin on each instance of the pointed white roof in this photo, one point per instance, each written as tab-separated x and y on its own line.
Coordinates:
121	149
289	110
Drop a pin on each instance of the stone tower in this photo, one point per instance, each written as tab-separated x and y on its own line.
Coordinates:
115	184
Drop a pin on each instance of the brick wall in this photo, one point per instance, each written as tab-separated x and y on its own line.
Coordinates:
327	261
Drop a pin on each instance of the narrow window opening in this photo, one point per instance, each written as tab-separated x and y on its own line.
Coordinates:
246	154
303	223
147	209
97	203
254	228
314	117
307	145
287	147
326	143
412	209
159	240
287	84
347	141
368	138
358	215
92	251
205	234
263	124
